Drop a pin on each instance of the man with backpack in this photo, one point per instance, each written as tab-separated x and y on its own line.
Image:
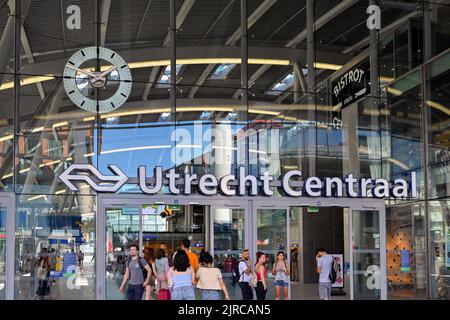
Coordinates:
325	271
138	272
242	274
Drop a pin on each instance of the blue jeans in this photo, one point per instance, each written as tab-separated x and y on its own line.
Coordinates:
281	283
135	291
210	294
183	293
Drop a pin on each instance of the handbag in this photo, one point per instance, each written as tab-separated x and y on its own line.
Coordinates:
42	273
164	294
253	280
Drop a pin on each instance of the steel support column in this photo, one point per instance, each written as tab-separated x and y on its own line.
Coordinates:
310	58
428	52
173	61
17	65
373	51
243	115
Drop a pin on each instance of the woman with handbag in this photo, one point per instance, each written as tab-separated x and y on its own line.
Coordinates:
281	272
261	275
161	269
42	275
149	256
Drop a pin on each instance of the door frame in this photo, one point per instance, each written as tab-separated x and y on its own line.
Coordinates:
258	205
7	199
250	205
382	224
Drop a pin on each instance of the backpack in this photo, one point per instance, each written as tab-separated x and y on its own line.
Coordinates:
144	271
333	271
235	273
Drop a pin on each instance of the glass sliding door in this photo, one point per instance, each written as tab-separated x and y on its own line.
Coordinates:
122	229
153	227
271	237
8	256
368	258
228	234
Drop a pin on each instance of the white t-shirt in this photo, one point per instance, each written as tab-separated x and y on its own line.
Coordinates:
243	276
325	263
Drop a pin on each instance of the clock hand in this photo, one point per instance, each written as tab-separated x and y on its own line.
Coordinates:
107	71
81	70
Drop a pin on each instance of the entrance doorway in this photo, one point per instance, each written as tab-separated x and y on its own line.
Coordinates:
225	226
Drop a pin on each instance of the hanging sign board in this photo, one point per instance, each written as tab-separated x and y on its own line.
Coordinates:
349	87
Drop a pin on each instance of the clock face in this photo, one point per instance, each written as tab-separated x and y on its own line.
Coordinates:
109	88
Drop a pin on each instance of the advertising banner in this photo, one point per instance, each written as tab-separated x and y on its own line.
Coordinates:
339	260
405	261
69	262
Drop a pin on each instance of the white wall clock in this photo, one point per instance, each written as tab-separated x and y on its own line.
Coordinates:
86	87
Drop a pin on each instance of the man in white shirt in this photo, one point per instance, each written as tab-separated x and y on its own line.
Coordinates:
245	268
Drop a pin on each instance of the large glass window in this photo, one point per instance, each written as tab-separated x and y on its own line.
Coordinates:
272	237
406	251
440	249
55	247
366	254
228	242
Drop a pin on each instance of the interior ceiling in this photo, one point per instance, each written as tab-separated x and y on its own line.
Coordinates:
145	23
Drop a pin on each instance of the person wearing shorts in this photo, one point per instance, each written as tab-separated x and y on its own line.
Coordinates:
281	272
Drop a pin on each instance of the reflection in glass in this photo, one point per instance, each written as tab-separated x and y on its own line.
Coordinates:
58	233
228	244
366	255
122	229
271	235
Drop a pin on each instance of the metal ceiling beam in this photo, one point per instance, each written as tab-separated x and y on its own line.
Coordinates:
252	79
251	20
400	5
106	5
394	25
206	72
63	26
333	13
151	81
323	20
181	16
216	21
299	74
7	39
283	96
140	55
138	33
29	54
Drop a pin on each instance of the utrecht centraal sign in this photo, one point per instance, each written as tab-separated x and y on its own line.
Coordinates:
291	183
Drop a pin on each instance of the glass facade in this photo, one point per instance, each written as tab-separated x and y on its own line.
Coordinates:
218	85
